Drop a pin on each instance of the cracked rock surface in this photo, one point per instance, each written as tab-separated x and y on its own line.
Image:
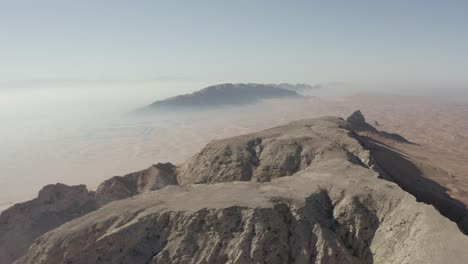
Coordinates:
59	203
273	153
338	212
306	192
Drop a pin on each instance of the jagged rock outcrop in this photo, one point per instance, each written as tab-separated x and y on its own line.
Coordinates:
59	203
55	205
307	192
358	123
273	153
335	212
397	168
153	178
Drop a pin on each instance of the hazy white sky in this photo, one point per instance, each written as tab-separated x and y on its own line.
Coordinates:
239	41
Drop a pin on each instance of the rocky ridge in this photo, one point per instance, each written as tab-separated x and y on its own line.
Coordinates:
226	94
358	123
59	203
314	216
307	192
273	153
55	205
153	178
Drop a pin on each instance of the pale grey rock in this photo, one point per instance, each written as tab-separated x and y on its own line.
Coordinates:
273	153
55	205
335	212
59	203
307	192
395	167
153	178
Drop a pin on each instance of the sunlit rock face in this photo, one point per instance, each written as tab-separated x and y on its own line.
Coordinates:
55	205
277	152
338	212
58	203
153	178
311	191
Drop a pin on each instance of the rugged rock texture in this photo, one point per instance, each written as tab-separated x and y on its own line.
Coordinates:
59	203
222	95
155	177
312	191
397	168
274	153
335	212
55	205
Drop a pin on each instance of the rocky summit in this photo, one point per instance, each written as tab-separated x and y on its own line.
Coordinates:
312	191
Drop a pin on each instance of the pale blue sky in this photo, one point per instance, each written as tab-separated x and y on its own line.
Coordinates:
239	41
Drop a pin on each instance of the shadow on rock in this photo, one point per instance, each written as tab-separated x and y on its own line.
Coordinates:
408	176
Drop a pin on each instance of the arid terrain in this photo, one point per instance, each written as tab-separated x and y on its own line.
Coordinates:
312	191
419	145
240	132
439	130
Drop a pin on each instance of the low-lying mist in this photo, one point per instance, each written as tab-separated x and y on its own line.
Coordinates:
82	133
71	132
77	150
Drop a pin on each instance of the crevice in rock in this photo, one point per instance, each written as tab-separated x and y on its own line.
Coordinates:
353	224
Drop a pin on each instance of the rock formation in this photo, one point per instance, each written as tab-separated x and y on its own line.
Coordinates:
227	94
358	123
55	205
312	191
273	153
59	203
337	212
153	178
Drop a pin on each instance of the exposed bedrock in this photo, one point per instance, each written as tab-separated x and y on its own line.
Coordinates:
153	178
59	203
273	153
312	191
55	205
313	217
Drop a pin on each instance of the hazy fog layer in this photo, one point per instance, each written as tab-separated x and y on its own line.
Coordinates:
71	131
79	132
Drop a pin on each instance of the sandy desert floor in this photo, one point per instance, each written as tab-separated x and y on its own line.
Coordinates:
439	130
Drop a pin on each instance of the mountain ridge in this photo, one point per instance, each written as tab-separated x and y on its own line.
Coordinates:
222	95
263	175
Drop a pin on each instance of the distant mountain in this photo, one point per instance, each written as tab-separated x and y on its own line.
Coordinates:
300	88
226	94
